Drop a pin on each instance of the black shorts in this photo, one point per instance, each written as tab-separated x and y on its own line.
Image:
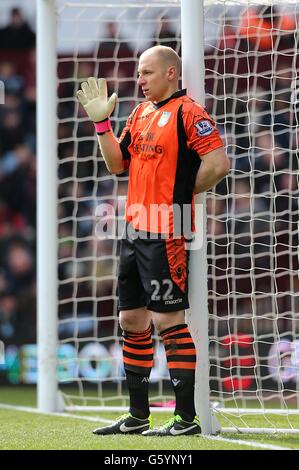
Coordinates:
153	274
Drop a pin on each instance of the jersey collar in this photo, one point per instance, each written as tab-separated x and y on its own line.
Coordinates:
177	94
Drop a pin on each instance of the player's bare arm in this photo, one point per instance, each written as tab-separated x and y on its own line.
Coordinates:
214	167
93	97
111	152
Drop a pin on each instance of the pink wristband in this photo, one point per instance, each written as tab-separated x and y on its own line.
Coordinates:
103	126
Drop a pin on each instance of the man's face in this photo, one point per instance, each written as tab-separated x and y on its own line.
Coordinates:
153	78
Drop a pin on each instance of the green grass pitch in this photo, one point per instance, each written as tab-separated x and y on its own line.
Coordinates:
24	430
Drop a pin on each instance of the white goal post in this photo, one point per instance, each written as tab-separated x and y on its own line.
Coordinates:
239	58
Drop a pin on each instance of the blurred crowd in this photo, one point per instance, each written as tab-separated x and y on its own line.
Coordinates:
17	182
252	217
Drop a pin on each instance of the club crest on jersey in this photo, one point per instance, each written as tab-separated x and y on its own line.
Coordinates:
204	128
164	118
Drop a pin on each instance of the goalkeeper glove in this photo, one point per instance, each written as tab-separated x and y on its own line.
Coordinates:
94	99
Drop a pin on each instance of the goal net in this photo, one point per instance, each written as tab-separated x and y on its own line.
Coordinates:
252	215
251	88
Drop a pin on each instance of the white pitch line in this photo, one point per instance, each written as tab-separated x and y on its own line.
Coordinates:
247	443
28	409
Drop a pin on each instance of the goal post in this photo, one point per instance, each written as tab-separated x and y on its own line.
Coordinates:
240	58
193	78
47	284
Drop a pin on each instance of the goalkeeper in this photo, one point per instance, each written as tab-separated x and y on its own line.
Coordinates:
172	149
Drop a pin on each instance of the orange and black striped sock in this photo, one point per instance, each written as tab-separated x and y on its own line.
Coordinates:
181	360
138	361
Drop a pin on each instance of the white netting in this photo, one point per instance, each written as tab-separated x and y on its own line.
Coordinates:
251	89
251	80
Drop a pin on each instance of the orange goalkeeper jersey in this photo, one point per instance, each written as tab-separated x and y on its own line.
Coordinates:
161	145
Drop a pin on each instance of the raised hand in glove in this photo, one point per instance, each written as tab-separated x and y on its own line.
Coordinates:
94	99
